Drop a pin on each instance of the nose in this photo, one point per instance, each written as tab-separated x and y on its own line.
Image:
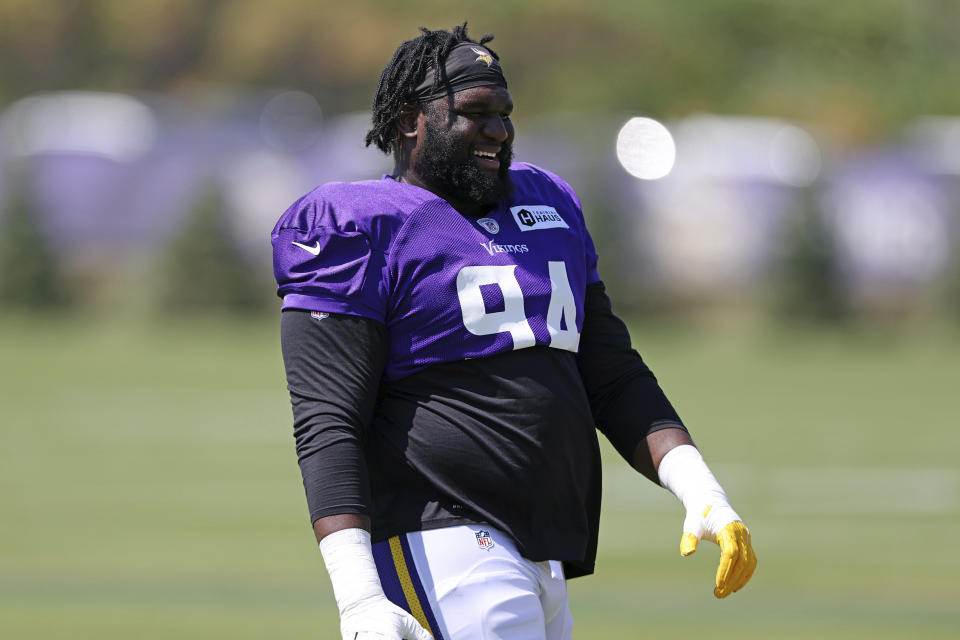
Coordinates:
496	128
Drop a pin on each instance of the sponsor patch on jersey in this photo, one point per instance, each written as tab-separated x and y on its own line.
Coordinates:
319	315
489	224
484	541
532	217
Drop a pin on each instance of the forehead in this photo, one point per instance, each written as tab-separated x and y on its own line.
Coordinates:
489	98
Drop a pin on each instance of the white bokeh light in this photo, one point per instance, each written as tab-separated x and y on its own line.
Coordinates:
646	149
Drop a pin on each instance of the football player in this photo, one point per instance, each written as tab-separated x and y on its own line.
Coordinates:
450	354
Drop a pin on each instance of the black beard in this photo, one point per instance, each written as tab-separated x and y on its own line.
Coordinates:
449	170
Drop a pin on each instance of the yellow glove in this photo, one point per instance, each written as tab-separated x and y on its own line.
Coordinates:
709	517
737	558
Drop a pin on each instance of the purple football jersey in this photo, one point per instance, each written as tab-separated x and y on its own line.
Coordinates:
448	287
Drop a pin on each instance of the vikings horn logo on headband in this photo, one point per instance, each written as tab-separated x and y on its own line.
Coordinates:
482	55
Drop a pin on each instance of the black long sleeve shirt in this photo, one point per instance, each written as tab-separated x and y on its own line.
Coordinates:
509	440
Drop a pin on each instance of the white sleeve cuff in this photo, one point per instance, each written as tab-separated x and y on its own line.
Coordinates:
348	556
684	472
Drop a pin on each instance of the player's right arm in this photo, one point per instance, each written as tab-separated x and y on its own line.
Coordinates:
328	259
333	364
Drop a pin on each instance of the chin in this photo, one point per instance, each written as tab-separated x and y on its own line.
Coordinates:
453	173
490	188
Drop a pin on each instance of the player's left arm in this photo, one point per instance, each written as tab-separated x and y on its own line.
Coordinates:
633	412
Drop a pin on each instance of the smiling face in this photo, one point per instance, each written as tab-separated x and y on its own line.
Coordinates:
463	148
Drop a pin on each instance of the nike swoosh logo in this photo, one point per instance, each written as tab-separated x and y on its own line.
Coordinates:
314	250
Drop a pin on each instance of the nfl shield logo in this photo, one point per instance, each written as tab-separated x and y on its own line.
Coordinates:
484	541
319	315
489	224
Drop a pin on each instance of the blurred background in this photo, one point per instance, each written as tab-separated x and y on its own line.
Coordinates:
774	190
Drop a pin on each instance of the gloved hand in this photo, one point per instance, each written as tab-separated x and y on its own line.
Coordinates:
721	525
379	619
709	517
365	612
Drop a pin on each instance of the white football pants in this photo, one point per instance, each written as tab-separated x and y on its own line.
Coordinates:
470	583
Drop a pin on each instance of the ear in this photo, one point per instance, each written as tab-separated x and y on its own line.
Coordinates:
407	121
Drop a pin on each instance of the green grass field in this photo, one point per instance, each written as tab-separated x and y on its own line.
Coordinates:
149	488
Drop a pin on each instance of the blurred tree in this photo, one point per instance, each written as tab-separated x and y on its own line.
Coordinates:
857	68
203	270
29	273
807	280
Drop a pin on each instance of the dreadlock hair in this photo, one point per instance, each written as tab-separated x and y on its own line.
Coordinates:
405	71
